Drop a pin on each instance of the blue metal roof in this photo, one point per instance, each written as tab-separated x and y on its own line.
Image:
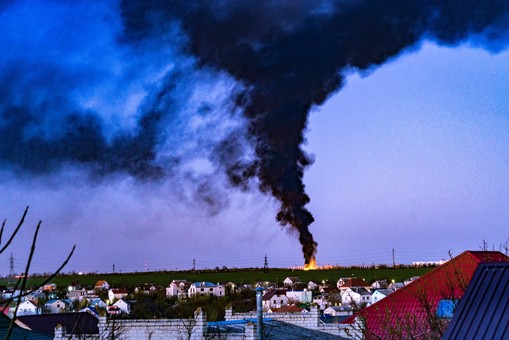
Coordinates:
204	284
483	312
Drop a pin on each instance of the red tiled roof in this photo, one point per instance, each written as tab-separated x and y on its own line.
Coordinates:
119	291
405	312
354	282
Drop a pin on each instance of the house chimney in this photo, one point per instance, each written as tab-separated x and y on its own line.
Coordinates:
259	313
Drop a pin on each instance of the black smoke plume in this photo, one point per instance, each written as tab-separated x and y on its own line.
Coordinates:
288	55
292	55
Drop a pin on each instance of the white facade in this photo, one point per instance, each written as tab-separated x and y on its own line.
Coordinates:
291	281
380	294
304	296
349	296
117	294
274	299
27	308
338	311
56	306
205	288
177	288
124	307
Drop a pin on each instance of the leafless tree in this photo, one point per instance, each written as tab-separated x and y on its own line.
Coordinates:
21	284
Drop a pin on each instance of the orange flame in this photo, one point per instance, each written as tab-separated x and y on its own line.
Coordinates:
311	265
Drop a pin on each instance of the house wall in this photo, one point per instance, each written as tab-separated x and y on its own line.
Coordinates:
308	320
300	296
157	329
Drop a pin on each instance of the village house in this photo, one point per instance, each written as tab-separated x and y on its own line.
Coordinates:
352	282
300	296
274	298
117	294
102	285
356	296
27	308
178	288
396	285
49	287
123	306
78	295
338	311
312	285
205	288
380	284
410	280
379	294
58	305
292	282
321	301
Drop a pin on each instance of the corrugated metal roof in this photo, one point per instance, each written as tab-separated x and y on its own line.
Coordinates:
18	332
273	330
407	311
483	312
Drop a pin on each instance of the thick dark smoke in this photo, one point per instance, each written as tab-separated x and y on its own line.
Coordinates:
291	55
288	56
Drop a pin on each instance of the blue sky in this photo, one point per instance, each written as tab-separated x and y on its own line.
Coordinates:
413	155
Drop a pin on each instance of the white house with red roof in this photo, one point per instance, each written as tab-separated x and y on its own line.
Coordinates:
101	285
117	294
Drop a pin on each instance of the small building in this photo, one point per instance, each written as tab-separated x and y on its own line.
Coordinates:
178	288
357	296
339	311
292	282
58	305
379	294
300	296
117	294
78	294
205	288
101	285
27	308
352	282
380	284
274	298
123	306
312	285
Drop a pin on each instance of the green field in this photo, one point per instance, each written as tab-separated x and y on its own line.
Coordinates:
240	276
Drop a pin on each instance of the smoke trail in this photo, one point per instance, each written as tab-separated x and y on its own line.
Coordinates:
292	56
144	57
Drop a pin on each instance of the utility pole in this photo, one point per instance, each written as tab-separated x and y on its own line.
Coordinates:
393	261
11	266
266	264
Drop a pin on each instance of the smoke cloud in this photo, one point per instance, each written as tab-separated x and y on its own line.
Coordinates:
127	102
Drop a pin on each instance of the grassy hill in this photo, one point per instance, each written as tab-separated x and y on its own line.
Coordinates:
239	276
